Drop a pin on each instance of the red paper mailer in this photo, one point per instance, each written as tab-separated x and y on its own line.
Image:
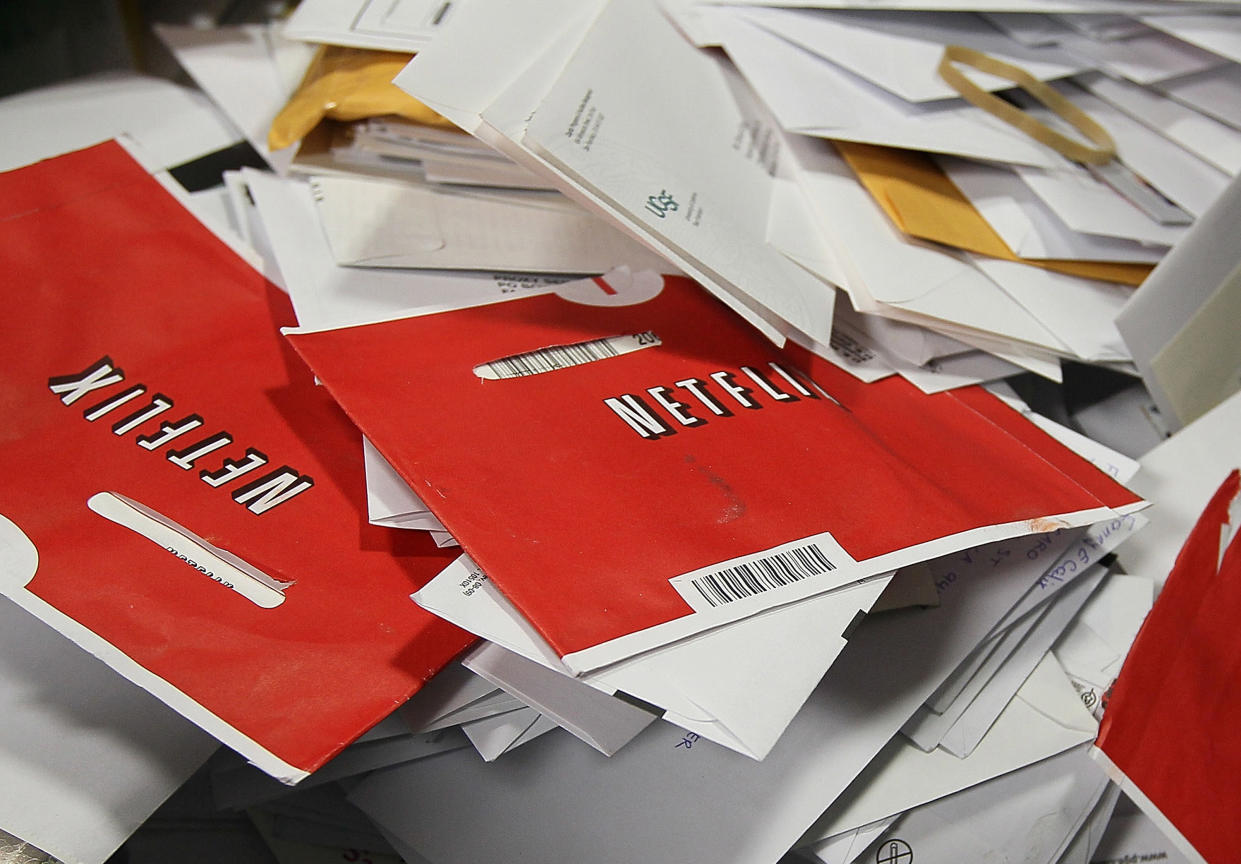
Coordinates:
1169	734
179	497
632	463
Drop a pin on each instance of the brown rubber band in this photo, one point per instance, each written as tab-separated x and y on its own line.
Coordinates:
1105	149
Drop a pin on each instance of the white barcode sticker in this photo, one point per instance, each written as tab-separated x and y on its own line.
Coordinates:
555	357
769	570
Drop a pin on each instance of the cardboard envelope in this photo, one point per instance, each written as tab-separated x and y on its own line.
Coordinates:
194	502
689	480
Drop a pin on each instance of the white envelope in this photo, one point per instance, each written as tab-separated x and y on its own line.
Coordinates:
1087	205
492	705
325	294
811	96
901	53
171	123
1126	7
1071	554
1028	225
1096	643
791	229
1030	815
700	173
374	223
927	726
85	755
446	693
245	220
1215	92
1029	28
852	352
1050	549
1204	136
1080	312
1104	27
977	719
236	67
956	370
602	721
382	25
738	685
959	370
948	289
1133	836
1219	34
1045	718
968	718
389	500
1146	59
1081	850
909	342
696	172
847	846
1179	477
1180	175
541	726
692	799
492	736
1181	323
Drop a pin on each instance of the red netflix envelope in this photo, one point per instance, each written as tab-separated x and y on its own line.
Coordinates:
631	470
178	496
1169	734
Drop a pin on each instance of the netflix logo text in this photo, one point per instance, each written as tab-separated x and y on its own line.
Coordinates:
258	495
693	402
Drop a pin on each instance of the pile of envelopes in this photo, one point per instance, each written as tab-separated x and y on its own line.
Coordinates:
605	432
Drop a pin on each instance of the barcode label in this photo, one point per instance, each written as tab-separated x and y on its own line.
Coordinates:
555	357
755	575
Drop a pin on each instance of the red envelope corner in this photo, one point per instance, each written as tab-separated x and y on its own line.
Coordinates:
1171	729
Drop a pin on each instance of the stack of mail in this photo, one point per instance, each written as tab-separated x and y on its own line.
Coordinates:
609	479
821	148
389	192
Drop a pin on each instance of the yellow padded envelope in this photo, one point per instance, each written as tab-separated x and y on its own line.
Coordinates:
348	84
920	200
